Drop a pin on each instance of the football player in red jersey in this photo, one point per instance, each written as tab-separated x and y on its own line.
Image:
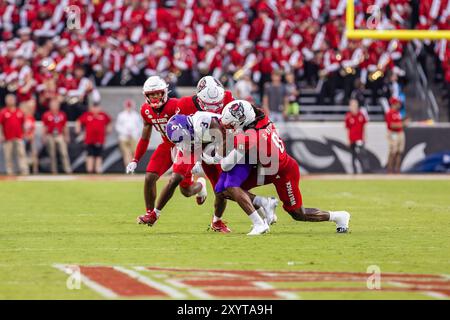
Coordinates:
210	96
255	137
155	112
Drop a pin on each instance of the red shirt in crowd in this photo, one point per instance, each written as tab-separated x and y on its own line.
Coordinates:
355	124
393	117
29	127
54	122
95	124
12	122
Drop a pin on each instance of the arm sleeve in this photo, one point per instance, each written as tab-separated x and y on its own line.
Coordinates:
233	158
141	148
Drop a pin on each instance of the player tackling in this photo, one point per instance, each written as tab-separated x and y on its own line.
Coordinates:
256	138
258	157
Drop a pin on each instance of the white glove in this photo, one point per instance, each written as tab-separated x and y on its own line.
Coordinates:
210	159
197	168
131	167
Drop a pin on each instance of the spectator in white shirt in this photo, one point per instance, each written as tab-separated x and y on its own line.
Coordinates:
244	88
128	127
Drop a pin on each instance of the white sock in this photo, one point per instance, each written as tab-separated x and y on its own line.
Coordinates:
333	215
215	219
158	212
256	219
260	201
339	217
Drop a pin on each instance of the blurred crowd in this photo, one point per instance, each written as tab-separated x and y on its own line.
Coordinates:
67	48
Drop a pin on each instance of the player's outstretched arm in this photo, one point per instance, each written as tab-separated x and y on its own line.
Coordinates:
232	159
141	147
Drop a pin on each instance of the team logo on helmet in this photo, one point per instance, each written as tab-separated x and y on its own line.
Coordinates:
201	85
237	111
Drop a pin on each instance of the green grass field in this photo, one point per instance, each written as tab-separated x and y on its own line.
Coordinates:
398	225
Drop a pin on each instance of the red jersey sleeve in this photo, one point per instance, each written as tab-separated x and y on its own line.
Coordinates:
186	106
143	115
228	97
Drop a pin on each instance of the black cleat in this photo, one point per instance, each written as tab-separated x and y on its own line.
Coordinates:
341	230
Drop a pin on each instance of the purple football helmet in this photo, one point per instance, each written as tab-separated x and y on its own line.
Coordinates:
179	129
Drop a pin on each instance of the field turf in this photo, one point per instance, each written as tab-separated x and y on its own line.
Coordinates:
401	226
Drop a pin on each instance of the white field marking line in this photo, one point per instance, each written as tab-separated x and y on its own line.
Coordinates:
281	294
436	295
262	285
198	293
173	293
197	273
103	291
432	294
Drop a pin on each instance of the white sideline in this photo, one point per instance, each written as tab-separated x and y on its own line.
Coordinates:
173	293
103	291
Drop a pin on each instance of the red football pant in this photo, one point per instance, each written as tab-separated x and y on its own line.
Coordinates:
286	182
183	166
161	159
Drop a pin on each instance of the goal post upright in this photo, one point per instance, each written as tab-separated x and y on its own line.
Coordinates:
407	35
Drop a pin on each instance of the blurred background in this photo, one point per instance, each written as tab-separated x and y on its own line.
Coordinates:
342	106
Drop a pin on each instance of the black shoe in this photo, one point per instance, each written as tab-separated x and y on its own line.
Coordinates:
342	230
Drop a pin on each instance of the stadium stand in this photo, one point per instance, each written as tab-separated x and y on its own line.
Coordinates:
68	48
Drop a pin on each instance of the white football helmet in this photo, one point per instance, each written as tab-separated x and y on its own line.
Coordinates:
237	114
210	93
155	91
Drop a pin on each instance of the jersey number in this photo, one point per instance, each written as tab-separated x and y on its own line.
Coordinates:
277	142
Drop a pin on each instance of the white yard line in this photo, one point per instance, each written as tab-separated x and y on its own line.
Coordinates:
198	293
103	291
281	294
173	293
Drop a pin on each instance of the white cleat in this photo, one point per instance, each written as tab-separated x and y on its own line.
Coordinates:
269	210
259	229
203	193
342	221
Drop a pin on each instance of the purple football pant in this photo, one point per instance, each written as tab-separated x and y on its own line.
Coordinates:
233	178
